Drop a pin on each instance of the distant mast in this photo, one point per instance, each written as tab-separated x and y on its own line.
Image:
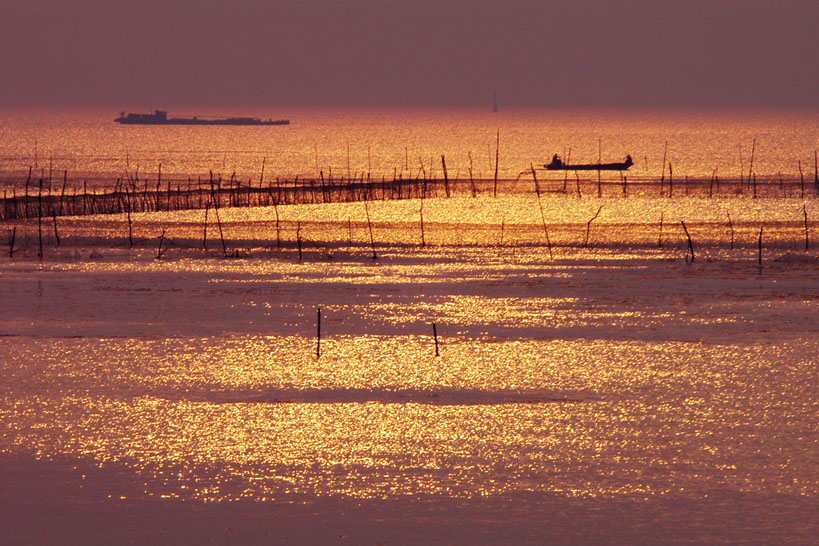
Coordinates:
494	101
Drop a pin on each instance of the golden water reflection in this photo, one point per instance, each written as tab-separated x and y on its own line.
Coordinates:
376	417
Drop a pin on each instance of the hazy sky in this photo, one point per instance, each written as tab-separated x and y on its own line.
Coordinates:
582	53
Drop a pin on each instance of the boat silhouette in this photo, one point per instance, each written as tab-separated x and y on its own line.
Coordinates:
558	165
160	117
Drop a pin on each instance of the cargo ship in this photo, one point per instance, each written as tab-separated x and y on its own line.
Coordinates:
160	117
558	165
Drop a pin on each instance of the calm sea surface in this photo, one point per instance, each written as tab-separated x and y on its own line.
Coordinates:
594	383
88	145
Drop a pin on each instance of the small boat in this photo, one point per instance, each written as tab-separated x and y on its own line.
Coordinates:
558	165
160	117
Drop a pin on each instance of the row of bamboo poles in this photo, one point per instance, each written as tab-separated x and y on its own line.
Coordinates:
38	198
213	193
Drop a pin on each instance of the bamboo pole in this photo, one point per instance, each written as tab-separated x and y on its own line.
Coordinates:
751	167
711	187
11	242
497	155
599	161
370	227
662	173
540	206
690	243
160	251
218	220
588	226
660	239
670	181
278	231
40	218
62	195
298	238
471	180
56	233
801	180
805	214
446	177
815	173
205	227
741	168
421	213
130	225
318	332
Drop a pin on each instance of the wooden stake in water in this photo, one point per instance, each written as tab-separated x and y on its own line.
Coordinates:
815	172
435	335
660	239
759	243
741	168
205	227
497	154
670	180
216	212
599	161
40	218
421	213
471	180
11	242
540	206
446	176
805	213
370	227
56	233
62	195
278	231
690	244
298	238
751	167
577	178
128	211
711	188
588	226
160	251
802	180
662	174
318	333
731	228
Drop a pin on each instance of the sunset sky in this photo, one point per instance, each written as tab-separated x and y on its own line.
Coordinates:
443	53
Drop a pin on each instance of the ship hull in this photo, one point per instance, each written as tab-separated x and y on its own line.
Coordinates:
183	121
590	167
160	117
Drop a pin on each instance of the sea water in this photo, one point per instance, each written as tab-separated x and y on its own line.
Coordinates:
607	384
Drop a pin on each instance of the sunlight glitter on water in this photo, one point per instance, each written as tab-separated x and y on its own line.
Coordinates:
409	142
379	417
609	365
